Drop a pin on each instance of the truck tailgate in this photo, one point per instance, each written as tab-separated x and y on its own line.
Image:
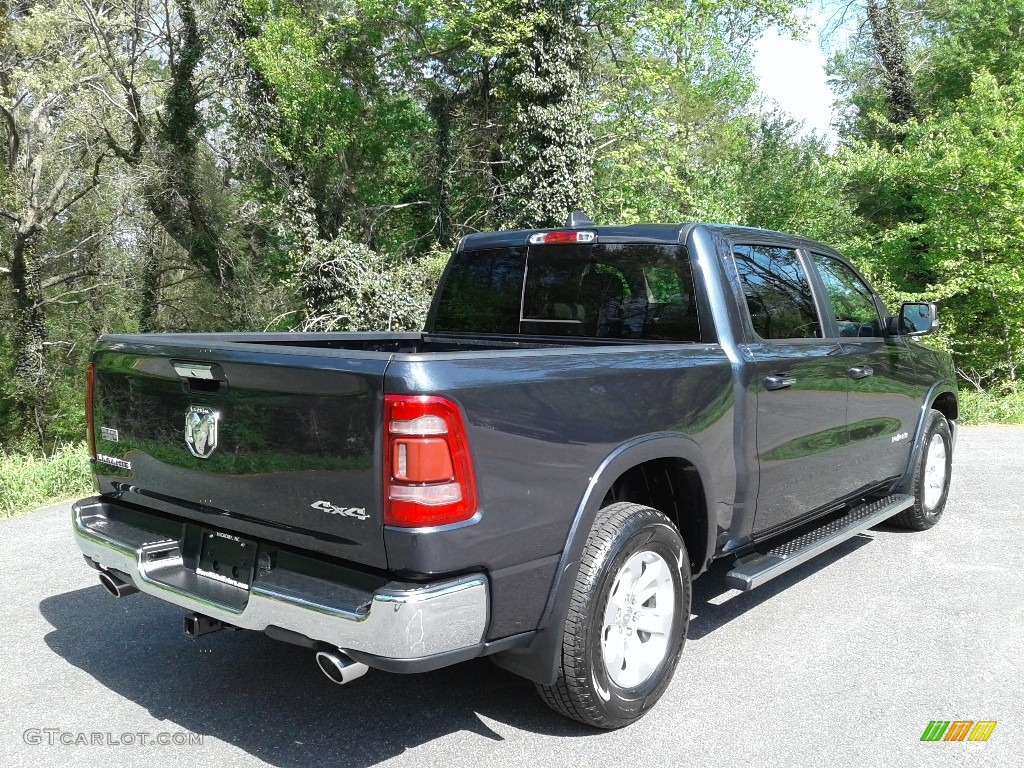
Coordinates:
267	441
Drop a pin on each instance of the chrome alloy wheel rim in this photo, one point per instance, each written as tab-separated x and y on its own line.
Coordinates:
934	472
638	619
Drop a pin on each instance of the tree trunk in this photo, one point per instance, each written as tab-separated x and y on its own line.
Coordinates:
29	338
150	291
550	157
891	45
441	106
494	160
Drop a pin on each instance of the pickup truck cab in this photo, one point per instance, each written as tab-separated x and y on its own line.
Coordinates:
590	418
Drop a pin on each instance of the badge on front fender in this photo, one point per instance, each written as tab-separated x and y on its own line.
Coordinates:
201	430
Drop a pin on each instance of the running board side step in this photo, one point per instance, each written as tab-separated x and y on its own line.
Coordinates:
755	569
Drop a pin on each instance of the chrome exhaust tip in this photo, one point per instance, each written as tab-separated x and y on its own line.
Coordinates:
340	668
117	584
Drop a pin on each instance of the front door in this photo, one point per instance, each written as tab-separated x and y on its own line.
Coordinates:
884	401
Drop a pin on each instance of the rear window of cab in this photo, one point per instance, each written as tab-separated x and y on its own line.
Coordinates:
602	290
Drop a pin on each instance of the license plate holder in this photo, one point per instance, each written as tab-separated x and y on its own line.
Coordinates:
227	558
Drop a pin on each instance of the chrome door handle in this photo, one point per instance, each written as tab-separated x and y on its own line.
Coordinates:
778	381
861	372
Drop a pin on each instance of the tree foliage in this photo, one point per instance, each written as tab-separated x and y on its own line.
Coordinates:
962	172
549	155
185	165
937	186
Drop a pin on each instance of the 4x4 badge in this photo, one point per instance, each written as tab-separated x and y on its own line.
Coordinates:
325	506
201	430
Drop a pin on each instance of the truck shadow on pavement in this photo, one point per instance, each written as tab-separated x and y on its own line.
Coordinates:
269	698
709	611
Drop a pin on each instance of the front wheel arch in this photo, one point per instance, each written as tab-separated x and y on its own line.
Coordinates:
930	492
942	398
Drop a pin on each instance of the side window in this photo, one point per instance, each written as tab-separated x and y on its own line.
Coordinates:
851	301
482	292
777	291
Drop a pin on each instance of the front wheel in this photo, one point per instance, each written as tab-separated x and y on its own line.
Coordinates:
627	620
932	472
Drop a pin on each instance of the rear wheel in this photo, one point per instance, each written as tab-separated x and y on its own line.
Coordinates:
627	620
930	483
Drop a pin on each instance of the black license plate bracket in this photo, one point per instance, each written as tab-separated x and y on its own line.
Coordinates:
227	558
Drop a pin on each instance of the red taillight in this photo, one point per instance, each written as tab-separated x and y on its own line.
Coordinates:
90	428
428	475
562	236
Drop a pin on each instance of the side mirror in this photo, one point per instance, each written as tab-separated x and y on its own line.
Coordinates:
917	318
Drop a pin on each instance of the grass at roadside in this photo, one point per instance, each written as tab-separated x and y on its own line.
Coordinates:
28	482
986	408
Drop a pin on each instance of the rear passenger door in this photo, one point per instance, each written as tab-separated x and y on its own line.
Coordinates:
799	385
884	399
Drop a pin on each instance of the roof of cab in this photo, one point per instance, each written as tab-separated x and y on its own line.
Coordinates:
636	233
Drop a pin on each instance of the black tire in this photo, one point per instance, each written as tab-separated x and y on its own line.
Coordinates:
923	515
584	690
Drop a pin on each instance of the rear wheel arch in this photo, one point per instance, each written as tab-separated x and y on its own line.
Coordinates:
674	487
627	622
669	473
677	455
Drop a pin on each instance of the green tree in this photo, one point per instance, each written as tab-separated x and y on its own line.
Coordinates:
770	175
550	158
52	158
672	98
965	39
932	164
963	170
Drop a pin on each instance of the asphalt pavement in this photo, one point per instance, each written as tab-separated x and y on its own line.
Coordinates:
842	661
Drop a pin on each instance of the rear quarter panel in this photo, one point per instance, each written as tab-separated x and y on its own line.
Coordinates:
540	423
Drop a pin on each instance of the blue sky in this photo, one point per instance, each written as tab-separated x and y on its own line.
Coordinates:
792	73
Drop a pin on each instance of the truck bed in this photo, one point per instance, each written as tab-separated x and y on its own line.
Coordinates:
298	421
406	343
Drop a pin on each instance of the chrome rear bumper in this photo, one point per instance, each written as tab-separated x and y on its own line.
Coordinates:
396	621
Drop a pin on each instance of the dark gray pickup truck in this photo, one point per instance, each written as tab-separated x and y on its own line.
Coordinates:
591	417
